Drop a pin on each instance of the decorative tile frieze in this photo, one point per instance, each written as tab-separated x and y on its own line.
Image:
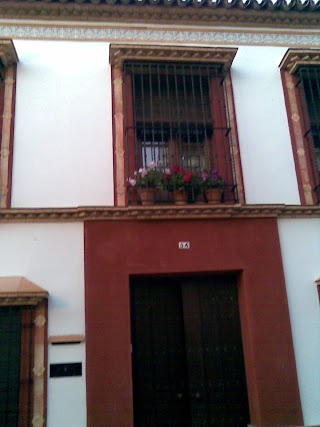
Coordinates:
162	36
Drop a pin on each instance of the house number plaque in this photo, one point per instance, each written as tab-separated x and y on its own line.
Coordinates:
184	245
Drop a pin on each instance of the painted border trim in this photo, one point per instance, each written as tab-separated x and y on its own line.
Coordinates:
293	59
9	59
213	55
153	213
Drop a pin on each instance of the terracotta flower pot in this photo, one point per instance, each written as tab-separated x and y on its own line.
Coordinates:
180	197
147	196
213	195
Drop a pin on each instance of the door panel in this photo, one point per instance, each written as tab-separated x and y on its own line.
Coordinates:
159	360
222	397
188	365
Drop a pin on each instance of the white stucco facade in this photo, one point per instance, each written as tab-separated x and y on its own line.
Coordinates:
51	256
300	247
63	127
265	146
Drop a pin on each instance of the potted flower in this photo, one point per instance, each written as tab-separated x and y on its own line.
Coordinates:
163	195
213	186
178	181
147	180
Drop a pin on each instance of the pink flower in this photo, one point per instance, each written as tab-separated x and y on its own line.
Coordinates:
132	182
152	165
215	175
143	172
204	175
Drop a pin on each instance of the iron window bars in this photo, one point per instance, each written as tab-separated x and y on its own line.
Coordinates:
177	114
309	97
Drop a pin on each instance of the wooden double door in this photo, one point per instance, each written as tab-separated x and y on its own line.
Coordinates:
187	355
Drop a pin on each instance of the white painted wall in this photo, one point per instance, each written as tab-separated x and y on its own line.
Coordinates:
300	246
51	255
63	126
265	146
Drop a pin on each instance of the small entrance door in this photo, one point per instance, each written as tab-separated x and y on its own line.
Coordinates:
187	353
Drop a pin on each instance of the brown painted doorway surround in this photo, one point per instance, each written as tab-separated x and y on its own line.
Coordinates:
187	356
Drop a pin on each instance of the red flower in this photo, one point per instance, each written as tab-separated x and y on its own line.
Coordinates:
175	169
187	177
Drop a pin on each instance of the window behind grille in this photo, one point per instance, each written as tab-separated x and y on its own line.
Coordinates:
176	115
309	91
